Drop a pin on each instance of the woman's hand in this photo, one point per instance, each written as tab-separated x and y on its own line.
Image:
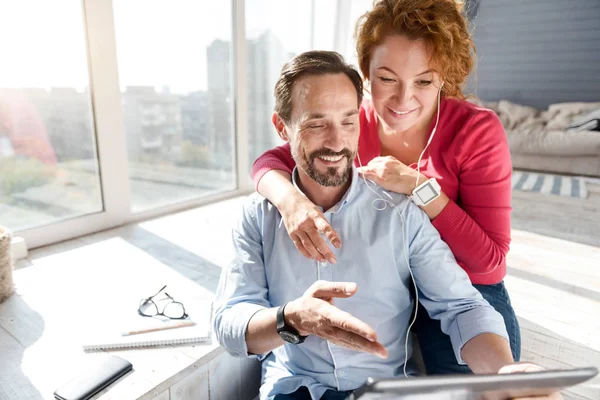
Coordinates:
392	175
305	223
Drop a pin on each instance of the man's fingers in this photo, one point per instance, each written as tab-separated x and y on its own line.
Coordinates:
553	396
349	323
524	366
331	235
310	247
326	289
331	323
357	342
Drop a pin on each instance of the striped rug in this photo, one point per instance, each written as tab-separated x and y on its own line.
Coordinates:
559	185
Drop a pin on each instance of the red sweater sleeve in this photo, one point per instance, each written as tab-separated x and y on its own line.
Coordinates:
477	229
279	157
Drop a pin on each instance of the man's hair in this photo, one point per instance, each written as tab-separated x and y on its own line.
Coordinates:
316	62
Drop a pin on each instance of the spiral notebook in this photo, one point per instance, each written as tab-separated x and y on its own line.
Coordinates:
186	335
110	336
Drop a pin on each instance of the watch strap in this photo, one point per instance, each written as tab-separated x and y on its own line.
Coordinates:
280	318
283	327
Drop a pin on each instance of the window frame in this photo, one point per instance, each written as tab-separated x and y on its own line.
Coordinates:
109	130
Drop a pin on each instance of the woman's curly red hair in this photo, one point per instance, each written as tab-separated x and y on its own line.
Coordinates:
439	22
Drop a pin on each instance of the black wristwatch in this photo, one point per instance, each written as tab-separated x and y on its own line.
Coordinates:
287	332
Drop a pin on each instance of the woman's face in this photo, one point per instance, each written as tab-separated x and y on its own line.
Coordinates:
404	86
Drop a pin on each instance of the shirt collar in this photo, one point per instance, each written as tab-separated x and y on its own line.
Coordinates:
348	196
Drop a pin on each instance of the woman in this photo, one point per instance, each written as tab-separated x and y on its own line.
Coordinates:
415	56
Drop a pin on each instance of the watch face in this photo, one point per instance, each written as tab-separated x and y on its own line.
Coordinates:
427	193
289	337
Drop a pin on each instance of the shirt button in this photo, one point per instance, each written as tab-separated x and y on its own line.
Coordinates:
323	264
340	373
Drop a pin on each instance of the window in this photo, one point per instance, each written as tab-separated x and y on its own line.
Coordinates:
48	164
278	30
275	32
175	74
116	111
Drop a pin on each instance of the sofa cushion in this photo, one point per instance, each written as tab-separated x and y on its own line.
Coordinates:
586	122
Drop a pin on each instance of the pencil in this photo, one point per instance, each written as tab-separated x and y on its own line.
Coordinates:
160	328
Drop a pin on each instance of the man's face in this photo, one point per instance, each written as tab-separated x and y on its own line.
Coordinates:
324	127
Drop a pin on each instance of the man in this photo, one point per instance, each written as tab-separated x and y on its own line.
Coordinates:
276	305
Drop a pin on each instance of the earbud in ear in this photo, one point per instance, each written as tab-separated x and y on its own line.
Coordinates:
442	85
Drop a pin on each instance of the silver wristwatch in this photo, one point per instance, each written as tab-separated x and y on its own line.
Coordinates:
426	192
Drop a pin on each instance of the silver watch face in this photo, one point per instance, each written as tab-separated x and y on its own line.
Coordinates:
289	337
427	193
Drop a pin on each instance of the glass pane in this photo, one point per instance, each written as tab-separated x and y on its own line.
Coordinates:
276	30
175	73
48	163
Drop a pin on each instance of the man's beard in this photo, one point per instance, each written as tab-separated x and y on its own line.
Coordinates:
331	177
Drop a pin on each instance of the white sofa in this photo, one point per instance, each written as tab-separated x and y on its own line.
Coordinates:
539	140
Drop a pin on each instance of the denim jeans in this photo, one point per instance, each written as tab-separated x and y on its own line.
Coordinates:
303	394
436	347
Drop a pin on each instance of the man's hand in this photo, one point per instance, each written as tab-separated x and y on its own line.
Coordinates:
528	367
315	314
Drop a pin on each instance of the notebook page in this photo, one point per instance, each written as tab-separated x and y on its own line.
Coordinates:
107	333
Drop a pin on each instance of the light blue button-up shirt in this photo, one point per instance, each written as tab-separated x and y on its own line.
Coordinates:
269	271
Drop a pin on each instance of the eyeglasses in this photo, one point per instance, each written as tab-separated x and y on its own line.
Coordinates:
173	309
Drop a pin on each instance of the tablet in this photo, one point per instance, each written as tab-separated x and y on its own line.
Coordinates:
488	387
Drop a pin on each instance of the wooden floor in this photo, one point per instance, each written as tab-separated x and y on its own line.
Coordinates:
554	280
553	276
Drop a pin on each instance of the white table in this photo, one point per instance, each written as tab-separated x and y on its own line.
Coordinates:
64	295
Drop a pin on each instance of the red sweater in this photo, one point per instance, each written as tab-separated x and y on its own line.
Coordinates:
470	159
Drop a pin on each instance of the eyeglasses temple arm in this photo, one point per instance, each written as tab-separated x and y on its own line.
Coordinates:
157	293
